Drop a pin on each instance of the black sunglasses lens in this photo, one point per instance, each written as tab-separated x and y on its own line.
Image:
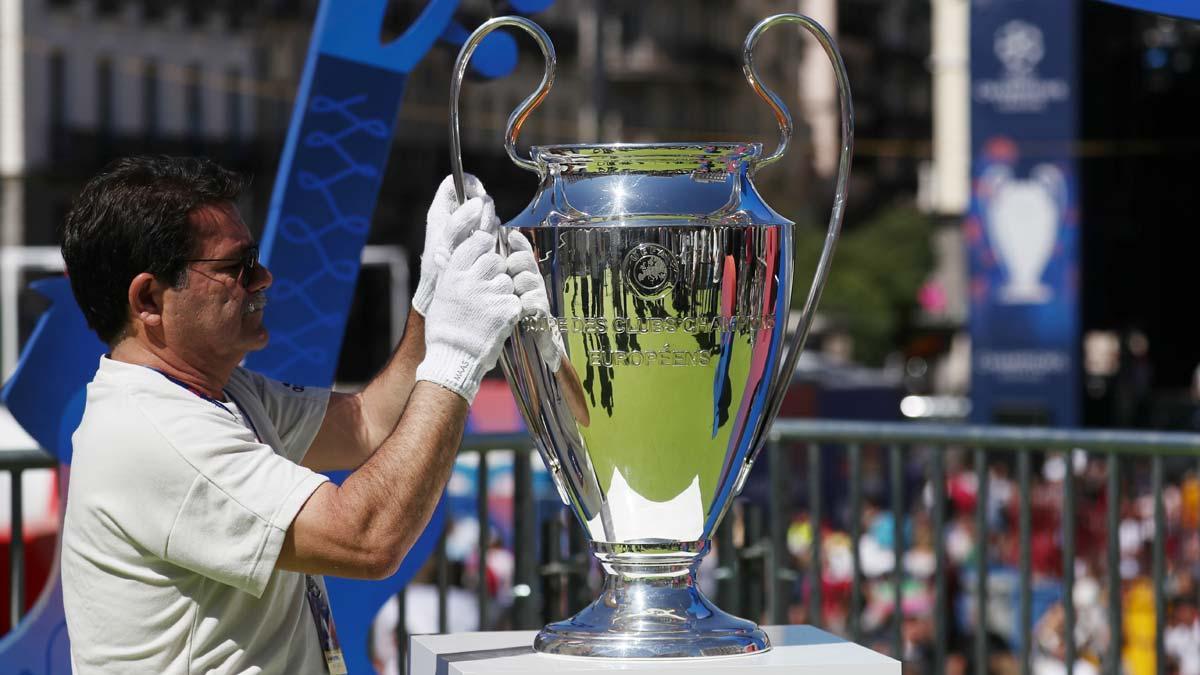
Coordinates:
249	264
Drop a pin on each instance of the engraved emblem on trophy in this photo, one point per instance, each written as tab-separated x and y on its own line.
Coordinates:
670	283
650	269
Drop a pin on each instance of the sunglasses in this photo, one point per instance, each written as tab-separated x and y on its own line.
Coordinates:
247	263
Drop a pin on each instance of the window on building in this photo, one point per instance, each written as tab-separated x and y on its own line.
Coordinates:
631	25
57	108
194	12
58	89
233	104
150	122
194	103
104	98
153	10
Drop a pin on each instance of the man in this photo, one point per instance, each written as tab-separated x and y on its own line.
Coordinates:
196	526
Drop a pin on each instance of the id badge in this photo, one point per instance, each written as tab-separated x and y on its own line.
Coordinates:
331	648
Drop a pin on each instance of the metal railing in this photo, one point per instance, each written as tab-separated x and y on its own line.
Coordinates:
981	442
553	571
15	463
755	577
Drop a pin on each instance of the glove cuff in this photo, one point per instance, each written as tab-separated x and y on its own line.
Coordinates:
426	286
423	297
453	369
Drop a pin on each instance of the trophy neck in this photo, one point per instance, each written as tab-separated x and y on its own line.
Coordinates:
647	185
646	158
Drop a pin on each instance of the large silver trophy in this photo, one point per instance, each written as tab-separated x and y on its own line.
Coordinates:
669	281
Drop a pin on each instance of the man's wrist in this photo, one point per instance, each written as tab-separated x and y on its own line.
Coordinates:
423	297
453	369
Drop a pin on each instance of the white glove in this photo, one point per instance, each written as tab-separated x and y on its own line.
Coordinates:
472	314
531	289
445	229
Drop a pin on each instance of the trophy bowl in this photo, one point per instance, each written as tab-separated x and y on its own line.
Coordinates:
669	281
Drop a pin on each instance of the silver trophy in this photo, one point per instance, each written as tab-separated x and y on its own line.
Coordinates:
669	281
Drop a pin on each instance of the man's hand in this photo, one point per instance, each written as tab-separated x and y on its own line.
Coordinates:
531	289
355	424
446	226
473	312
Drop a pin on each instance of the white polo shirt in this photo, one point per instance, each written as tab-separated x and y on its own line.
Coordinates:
176	512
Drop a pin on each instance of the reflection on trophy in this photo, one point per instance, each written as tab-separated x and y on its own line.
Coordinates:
669	281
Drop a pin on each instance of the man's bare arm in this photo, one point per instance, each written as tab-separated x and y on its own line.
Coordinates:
356	424
364	528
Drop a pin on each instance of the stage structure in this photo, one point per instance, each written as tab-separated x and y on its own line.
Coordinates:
325	193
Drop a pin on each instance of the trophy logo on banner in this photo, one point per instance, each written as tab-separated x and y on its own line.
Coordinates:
1019	46
1022	225
669	282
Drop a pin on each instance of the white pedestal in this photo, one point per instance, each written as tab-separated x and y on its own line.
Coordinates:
801	650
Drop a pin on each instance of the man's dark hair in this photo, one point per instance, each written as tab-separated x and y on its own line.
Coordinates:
131	218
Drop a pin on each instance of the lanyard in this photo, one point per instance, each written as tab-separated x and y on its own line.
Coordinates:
196	392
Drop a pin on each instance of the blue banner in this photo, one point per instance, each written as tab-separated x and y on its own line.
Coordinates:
1022	231
1187	9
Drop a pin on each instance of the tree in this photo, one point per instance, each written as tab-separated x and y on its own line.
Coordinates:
877	270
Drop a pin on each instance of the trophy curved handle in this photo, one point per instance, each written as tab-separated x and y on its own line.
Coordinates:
782	115
780	384
520	114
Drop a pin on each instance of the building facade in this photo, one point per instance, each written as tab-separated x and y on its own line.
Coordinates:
86	81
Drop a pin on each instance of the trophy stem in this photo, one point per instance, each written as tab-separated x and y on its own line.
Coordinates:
651	607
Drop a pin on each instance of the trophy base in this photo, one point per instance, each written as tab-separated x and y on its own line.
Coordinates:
652	611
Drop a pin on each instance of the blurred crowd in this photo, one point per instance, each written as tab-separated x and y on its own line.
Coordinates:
1136	534
1000	543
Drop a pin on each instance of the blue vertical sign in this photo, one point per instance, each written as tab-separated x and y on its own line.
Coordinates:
1186	9
1022	231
